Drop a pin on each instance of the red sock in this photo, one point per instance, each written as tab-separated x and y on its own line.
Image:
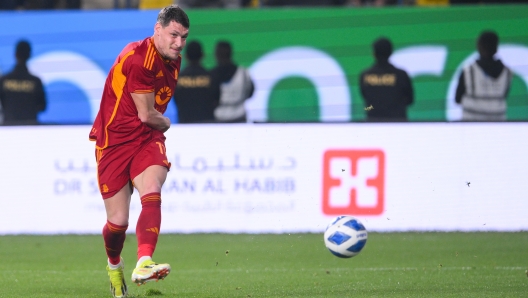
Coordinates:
148	225
114	238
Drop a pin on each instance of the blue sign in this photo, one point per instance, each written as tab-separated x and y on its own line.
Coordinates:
72	52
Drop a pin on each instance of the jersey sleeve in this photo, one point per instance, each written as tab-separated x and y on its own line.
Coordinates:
140	79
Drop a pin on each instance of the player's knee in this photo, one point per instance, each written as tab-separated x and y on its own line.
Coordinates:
154	187
118	218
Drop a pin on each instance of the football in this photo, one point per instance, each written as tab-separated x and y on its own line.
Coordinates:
345	236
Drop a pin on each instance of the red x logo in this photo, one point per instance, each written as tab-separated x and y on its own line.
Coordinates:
353	182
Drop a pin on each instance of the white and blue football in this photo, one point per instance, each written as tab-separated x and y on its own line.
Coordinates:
345	236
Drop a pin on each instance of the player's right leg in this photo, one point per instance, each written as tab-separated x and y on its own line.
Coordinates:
114	234
149	270
149	183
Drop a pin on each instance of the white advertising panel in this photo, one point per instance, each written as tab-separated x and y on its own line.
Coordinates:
256	178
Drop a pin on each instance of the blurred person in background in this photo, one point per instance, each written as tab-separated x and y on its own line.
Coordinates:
232	85
484	85
124	4
39	4
9	4
193	96
387	91
22	95
130	143
52	4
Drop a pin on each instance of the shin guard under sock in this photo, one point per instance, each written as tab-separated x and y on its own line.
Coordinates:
148	225
114	238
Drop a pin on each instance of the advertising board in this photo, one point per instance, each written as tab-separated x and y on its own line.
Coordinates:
256	178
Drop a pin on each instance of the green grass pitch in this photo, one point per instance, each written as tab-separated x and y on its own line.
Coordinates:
284	265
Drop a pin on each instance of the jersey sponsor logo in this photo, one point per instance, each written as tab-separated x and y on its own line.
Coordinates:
353	182
160	74
163	95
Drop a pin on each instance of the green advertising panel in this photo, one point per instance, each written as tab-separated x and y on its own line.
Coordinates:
306	62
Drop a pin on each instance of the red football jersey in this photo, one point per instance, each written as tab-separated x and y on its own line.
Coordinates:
139	68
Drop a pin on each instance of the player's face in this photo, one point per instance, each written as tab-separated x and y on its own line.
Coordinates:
170	40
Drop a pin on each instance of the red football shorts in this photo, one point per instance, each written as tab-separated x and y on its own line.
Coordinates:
118	165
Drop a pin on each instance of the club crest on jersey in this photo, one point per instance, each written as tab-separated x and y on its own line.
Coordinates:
163	95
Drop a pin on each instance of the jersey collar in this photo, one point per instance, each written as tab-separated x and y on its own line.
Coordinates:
166	61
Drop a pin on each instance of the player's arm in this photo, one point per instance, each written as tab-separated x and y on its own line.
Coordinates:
147	114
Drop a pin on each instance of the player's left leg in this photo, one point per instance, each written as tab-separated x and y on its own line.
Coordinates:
149	184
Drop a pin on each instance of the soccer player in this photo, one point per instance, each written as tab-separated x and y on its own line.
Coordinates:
130	143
